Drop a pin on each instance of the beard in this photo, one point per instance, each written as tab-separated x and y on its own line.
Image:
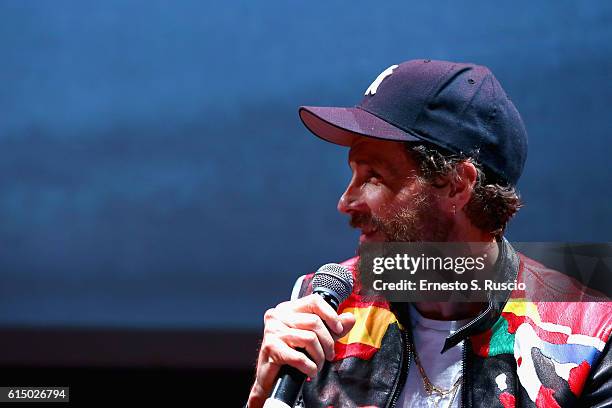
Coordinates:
422	221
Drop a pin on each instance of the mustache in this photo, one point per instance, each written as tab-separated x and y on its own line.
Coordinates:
363	221
359	220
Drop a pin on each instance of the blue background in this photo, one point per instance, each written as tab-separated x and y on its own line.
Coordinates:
154	172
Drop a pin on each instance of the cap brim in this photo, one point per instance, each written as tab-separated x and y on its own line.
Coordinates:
342	125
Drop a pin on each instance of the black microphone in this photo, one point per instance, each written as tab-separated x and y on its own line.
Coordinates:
334	283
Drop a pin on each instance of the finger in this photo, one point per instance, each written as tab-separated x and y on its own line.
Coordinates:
308	340
348	322
315	304
277	329
312	322
280	354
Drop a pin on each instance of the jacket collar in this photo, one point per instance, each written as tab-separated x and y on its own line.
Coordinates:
507	267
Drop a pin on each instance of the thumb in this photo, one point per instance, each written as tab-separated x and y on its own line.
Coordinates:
348	321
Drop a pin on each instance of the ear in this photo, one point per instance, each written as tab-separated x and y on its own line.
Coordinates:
461	186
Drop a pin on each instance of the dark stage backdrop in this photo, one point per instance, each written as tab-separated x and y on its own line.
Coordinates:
154	174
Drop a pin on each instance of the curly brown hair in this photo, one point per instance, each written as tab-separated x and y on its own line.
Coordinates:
493	203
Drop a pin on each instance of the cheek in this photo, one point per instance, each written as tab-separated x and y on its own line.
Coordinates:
378	197
388	202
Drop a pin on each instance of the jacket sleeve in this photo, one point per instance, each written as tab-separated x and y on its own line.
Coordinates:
598	388
297	291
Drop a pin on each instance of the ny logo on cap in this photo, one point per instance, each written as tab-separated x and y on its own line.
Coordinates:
374	85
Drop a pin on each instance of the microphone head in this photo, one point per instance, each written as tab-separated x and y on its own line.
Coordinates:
334	280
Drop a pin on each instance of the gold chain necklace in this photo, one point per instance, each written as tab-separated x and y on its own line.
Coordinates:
430	388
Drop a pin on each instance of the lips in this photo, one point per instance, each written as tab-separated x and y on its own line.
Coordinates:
369	231
368	235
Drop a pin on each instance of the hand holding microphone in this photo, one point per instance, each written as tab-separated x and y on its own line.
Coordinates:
310	324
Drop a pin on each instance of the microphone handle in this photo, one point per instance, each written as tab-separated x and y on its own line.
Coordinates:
287	387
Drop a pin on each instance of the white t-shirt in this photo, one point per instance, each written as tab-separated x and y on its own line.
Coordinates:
441	369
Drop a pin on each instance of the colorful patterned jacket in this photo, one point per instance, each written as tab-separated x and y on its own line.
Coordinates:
516	353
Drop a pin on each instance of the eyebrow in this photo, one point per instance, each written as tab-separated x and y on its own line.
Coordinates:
374	161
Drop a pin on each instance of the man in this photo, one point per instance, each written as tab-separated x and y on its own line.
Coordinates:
436	150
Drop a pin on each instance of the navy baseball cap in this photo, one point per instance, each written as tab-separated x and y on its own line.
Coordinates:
459	107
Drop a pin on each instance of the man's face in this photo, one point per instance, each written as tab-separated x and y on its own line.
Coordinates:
387	200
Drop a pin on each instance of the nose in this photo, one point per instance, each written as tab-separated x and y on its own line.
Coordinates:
351	200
